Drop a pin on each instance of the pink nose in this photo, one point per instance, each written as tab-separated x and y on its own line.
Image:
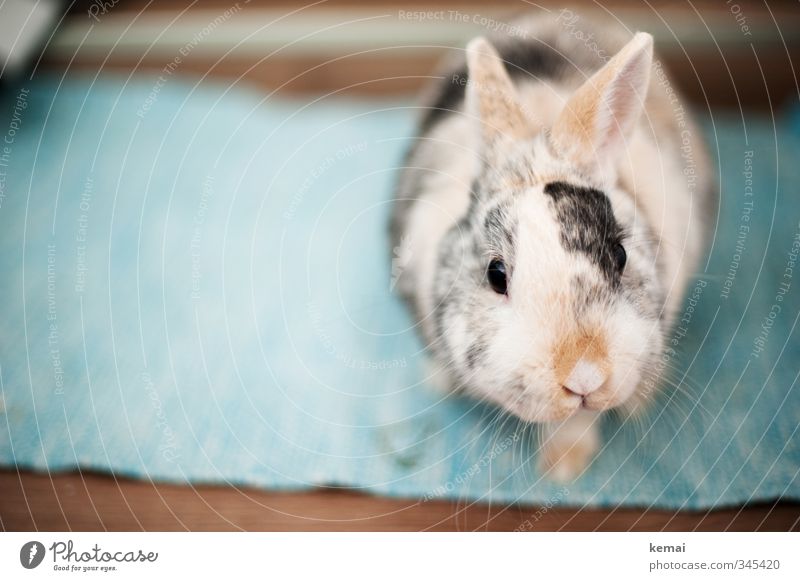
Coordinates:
585	378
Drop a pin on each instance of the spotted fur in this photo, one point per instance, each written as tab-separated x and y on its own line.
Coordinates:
549	159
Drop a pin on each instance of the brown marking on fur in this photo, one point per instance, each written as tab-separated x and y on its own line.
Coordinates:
575	128
575	131
498	107
591	346
518	183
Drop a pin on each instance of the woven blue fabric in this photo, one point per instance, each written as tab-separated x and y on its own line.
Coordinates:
197	288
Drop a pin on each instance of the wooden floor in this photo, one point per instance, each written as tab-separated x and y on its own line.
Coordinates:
90	502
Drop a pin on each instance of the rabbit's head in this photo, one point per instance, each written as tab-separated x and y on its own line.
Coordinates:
547	292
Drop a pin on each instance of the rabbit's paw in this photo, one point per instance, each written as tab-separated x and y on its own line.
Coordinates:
569	447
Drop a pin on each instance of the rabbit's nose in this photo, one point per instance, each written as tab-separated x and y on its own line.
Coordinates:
585	377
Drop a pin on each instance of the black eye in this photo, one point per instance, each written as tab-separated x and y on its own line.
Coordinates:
496	273
620	256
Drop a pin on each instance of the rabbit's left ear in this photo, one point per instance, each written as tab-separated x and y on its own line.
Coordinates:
597	120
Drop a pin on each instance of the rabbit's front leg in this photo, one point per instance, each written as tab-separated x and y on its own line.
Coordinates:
568	447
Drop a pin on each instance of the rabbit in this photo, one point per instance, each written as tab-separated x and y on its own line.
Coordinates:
548	217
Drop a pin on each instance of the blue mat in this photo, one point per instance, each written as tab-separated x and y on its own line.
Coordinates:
196	288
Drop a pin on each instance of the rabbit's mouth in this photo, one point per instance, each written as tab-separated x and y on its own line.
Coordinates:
583	400
562	402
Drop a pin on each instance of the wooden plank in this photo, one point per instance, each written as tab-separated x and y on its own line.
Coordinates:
89	502
710	68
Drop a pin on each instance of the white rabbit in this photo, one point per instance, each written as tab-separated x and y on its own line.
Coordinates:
550	213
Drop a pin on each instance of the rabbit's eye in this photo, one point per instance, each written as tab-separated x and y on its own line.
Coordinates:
496	273
620	256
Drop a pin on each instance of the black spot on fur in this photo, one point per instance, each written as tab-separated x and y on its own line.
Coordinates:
588	225
474	353
498	227
532	59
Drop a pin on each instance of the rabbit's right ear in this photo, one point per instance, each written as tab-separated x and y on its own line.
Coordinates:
491	96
